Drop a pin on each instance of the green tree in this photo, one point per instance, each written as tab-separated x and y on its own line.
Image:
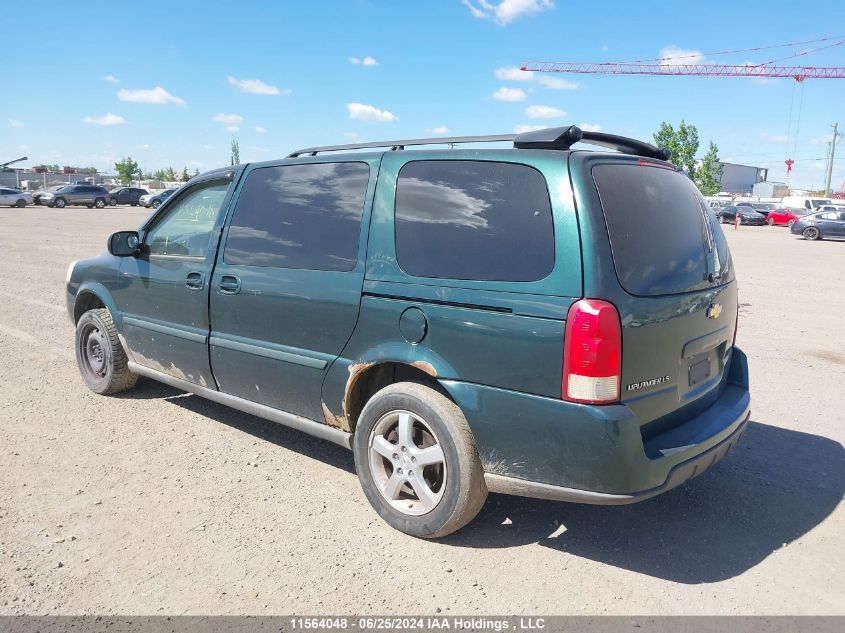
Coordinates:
170	175
126	170
185	175
683	142
709	172
236	152
159	174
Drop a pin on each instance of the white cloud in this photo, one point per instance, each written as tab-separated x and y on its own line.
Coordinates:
208	147
367	61
16	123
228	118
509	94
505	11
556	83
157	95
260	129
257	87
145	146
544	112
513	73
354	135
675	56
590	127
440	130
107	119
519	129
112	79
364	112
24	147
233	128
774	138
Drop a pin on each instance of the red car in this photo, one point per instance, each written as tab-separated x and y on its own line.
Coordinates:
784	217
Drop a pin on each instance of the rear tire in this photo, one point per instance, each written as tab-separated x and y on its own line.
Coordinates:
811	233
156	204
100	356
790	223
448	489
113	202
100	203
20	204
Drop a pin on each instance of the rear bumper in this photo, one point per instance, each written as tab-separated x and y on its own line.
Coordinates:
679	474
547	448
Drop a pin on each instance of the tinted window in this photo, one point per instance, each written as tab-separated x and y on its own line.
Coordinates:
186	227
473	220
657	229
299	216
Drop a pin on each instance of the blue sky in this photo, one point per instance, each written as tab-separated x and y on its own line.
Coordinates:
160	73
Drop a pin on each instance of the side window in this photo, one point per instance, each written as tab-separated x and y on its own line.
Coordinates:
460	219
299	216
185	230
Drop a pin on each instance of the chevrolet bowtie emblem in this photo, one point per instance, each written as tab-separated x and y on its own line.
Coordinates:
714	310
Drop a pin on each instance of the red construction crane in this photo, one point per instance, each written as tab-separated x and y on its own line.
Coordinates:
673	66
799	73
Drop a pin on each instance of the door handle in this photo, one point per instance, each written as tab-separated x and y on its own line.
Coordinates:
195	281
229	285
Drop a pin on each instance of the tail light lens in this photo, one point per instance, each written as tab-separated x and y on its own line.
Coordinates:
592	353
736	324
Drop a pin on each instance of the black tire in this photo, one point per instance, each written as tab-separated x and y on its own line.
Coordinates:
20	204
113	202
133	204
100	356
811	233
59	203
463	488
100	203
156	204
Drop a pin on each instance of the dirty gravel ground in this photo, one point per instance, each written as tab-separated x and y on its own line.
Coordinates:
160	502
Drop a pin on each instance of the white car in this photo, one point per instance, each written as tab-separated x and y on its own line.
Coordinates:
15	198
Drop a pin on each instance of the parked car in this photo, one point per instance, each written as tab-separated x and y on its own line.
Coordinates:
14	198
155	200
747	215
785	217
127	195
36	197
429	309
805	202
818	226
87	195
764	208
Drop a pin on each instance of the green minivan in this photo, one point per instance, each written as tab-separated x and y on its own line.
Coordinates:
532	319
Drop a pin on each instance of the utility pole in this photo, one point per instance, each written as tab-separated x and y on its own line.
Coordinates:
830	156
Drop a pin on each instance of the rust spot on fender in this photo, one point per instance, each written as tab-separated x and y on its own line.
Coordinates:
339	421
355	372
426	367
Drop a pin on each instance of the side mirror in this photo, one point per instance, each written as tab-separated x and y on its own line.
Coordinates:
124	243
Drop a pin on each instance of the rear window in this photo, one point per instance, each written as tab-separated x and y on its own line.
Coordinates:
664	239
474	220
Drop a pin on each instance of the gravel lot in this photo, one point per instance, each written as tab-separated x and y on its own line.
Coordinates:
159	502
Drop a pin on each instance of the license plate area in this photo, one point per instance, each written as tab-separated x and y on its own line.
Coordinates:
699	370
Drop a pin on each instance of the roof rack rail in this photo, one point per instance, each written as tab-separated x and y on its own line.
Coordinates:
547	138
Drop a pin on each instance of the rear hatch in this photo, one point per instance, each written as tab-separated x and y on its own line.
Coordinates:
673	285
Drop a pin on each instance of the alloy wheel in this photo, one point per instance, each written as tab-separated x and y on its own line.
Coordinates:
407	463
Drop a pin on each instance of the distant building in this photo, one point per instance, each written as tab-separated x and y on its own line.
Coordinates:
768	189
740	179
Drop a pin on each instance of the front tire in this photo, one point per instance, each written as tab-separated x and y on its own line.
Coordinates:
20	204
60	203
113	202
100	203
417	462
156	204
102	360
811	233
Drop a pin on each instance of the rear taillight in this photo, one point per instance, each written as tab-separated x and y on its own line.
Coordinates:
592	353
736	324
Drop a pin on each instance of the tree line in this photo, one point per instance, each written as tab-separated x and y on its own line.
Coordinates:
127	170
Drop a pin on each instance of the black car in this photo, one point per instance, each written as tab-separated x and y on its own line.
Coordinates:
127	195
820	225
747	215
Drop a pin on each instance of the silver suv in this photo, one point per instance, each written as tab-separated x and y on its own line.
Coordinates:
88	195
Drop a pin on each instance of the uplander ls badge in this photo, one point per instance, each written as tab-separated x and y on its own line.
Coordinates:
646	383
